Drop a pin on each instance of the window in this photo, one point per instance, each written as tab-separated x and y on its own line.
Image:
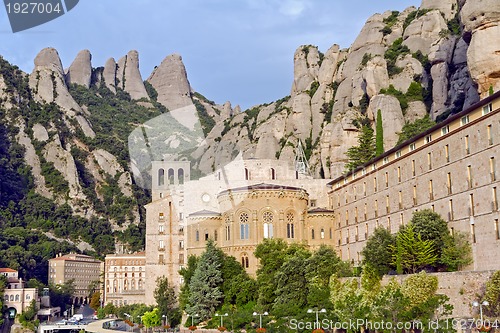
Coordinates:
268	219
161	259
448	183
387	206
464	120
497	230
487	109
400	200
490	138
197	235
376	208
215	235
355	214
412	146
206	235
161	245
161	177
414	195
431	190
313	203
161	229
469	176
399	174
364	189
374	184
428	138
386	160
413	168
401	219
273	173
247	174
356	235
322	233
450	210
244	226
170	176
494	199
471	204
17	298
227	227
290	219
244	260
161	216
473	232
447	153
331	233
389	226
429	160
492	169
312	233
445	130
366	230
365	213
386	179
466	143
397	154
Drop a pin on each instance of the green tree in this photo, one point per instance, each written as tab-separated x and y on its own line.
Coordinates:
28	315
237	286
187	273
271	254
350	302
492	295
430	226
390	304
292	285
410	130
205	286
379	134
364	151
151	318
166	301
377	253
457	252
411	253
95	300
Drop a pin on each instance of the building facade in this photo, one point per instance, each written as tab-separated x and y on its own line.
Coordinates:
185	213
17	298
82	269
125	279
450	169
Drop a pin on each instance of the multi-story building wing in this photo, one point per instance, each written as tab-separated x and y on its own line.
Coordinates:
82	269
451	168
125	279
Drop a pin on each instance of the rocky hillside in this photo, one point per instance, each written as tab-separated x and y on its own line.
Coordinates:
79	141
436	60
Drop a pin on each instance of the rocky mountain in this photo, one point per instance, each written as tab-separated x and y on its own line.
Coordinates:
81	140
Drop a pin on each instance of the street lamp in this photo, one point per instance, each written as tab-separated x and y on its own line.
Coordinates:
260	317
317	315
476	303
165	322
192	318
221	317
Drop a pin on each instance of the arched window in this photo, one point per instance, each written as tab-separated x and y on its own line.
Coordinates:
322	233
312	233
244	226
161	177
273	173
132	285
140	284
244	260
290	230
180	175
227	227
215	235
197	235
12	298
247	174
17	298
268	219
6	298
170	176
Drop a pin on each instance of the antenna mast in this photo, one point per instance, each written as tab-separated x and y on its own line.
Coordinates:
301	165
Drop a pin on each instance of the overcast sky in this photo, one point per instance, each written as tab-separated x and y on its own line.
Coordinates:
236	50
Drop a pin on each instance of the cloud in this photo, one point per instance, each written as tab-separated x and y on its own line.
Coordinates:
292	8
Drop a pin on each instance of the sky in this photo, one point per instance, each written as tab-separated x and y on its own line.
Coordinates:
234	50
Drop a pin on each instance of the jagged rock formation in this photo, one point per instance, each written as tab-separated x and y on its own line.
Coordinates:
80	71
170	81
435	61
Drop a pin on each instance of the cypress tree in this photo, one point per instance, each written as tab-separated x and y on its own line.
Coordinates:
205	286
363	152
379	134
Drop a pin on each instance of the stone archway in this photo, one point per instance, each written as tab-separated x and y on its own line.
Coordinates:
12	312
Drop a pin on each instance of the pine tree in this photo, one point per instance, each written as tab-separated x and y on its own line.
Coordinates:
165	297
379	134
364	151
205	286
